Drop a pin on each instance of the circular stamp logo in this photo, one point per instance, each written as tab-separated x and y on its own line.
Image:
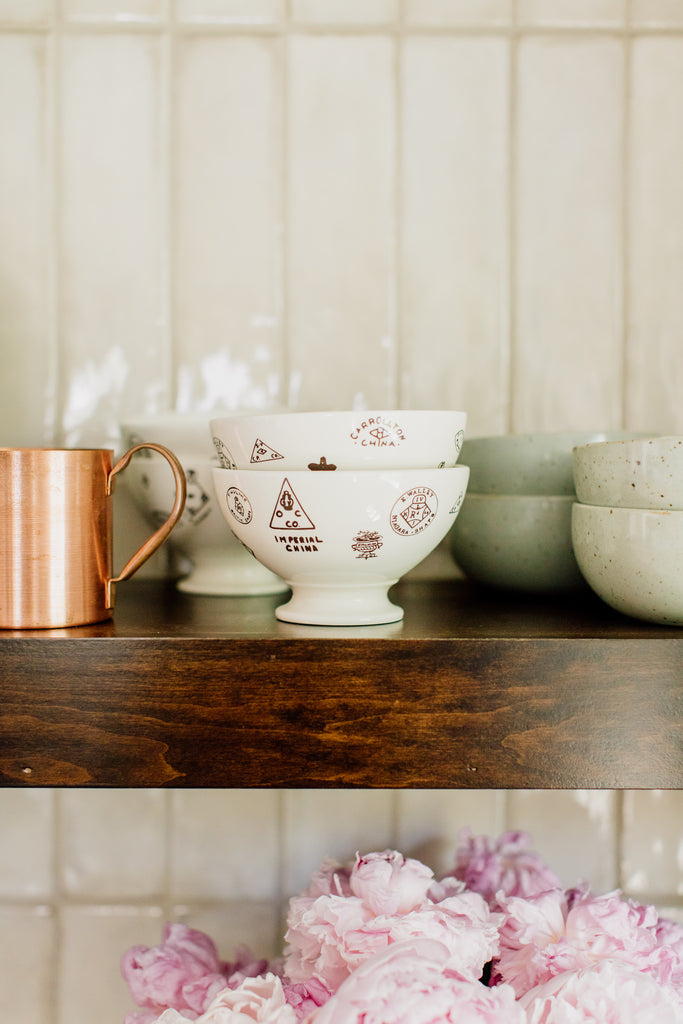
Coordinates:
239	505
378	431
413	511
224	455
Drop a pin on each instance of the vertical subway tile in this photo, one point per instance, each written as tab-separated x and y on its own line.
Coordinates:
227	303
344	12
454	237
224	844
341	221
27	337
456	13
26	12
656	13
334	823
92	942
429	822
27	850
252	13
114	337
28	956
652	845
574	13
254	923
572	830
113	843
568	196
113	11
655	216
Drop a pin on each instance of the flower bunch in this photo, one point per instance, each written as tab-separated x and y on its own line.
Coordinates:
381	941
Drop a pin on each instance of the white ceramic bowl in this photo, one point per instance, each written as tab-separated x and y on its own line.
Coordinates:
340	440
638	473
181	432
219	564
538	463
633	559
516	541
341	539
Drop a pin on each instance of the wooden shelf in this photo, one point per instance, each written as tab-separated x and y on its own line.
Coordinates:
473	689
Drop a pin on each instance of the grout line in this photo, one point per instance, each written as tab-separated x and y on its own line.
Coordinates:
619	818
169	126
54	428
512	224
625	222
395	299
287	391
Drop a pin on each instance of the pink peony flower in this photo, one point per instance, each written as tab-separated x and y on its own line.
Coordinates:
506	864
306	996
260	1000
609	992
547	934
409	983
330	936
331	879
389	883
184	973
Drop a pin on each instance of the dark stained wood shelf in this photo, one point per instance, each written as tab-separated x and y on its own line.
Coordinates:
473	689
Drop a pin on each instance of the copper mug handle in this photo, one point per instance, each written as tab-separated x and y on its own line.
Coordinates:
160	535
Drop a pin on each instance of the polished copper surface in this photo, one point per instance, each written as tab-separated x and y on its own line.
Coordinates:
56	538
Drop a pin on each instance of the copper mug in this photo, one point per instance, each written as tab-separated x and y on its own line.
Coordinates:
56	534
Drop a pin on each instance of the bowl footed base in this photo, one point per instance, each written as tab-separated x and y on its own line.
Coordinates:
339	605
215	575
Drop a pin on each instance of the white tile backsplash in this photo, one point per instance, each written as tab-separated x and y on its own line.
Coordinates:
27	324
454	271
224	844
227	208
27	851
113	243
28	940
341	221
98	859
471	203
114	11
34	13
655	253
568	234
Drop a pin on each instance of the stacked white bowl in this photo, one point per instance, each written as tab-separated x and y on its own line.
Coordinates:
514	530
211	561
627	524
340	504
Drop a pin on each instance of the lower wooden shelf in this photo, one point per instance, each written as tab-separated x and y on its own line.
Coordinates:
473	689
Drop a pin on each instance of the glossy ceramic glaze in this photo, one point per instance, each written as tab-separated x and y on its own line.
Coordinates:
519	542
181	432
340	440
531	463
218	564
633	559
637	473
341	539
